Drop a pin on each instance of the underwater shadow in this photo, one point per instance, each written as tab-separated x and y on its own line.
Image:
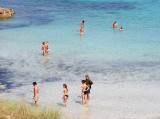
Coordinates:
60	104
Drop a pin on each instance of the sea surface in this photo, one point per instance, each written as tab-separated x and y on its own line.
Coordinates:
124	66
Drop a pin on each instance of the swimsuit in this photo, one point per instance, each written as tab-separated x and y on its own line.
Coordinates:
88	91
36	97
85	92
66	96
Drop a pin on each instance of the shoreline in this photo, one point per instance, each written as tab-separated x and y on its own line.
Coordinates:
123	100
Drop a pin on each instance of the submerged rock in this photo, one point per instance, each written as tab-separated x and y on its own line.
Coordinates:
6	12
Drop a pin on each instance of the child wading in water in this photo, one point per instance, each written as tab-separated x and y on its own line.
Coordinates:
65	96
47	46
84	91
121	29
44	48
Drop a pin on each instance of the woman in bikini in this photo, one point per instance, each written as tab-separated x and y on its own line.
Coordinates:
47	46
65	96
84	91
115	25
82	23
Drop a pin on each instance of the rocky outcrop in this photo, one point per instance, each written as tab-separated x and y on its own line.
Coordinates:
6	12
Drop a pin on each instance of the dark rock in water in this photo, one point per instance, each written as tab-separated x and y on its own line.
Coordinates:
6	12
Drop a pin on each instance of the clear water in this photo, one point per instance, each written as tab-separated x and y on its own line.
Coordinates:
123	65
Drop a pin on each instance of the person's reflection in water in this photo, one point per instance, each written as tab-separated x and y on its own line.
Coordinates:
46	59
86	111
65	116
81	37
115	31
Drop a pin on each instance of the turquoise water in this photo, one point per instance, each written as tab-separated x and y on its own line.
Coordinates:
57	22
109	56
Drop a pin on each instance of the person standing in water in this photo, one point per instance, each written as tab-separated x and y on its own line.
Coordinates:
88	83
81	31
47	47
44	48
115	25
121	29
82	23
36	93
65	96
84	91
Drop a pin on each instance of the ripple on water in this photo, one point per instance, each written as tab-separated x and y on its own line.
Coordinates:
29	14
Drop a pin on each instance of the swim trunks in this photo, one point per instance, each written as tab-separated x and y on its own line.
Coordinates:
66	96
88	91
36	97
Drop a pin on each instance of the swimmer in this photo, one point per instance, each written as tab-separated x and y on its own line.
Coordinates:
121	29
115	25
81	30
65	96
44	48
47	46
82	23
85	88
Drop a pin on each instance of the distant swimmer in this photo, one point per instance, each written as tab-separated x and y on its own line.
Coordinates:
36	93
81	30
82	23
44	48
65	96
121	29
115	25
47	47
84	91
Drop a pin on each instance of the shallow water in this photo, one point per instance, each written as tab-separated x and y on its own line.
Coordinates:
124	66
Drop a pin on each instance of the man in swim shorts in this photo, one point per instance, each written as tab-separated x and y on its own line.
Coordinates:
88	83
36	93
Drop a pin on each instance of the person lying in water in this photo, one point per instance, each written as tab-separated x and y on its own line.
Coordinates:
65	96
44	48
115	25
84	91
81	30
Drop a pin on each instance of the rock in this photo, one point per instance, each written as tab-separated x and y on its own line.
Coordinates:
6	12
